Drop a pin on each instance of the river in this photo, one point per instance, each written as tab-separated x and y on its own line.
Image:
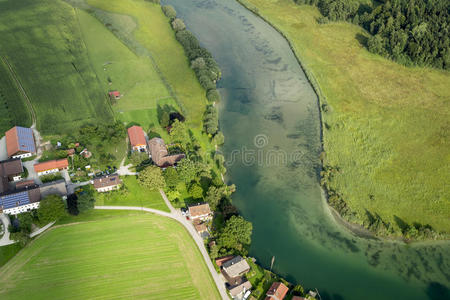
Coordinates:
270	118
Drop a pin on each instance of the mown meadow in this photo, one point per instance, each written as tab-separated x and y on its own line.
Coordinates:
42	42
119	255
13	108
385	125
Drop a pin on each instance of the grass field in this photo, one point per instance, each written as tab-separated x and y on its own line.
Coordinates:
153	32
128	256
133	195
13	108
42	42
388	124
121	69
8	252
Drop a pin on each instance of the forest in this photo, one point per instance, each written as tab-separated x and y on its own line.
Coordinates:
411	32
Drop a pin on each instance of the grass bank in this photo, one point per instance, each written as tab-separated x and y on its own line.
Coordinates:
385	125
124	256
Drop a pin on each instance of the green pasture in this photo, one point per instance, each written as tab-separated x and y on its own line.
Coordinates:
42	42
133	256
388	125
13	108
119	68
154	36
133	194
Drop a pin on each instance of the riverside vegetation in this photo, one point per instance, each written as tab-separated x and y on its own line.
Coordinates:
384	125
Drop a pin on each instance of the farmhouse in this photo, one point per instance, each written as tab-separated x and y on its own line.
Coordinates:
25	183
235	267
201	229
11	169
200	212
54	188
20	142
107	183
137	139
51	166
159	154
18	201
277	291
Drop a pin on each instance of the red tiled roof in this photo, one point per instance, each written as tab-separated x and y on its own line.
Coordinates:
12	143
221	260
114	93
136	135
277	291
52	164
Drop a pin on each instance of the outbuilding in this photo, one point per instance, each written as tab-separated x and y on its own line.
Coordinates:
52	166
137	138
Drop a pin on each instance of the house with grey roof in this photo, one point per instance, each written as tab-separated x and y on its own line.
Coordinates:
235	267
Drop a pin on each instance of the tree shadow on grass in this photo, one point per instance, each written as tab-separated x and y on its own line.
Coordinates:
362	39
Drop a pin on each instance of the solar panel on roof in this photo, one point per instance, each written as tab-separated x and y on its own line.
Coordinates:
14	200
26	140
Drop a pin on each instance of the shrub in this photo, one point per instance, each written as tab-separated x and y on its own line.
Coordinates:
178	25
213	95
169	11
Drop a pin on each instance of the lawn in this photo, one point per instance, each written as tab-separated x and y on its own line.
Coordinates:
133	194
135	256
42	42
13	107
119	68
387	125
8	252
152	35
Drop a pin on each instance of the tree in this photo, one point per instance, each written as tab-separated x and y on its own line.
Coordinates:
236	234
179	133
169	11
137	157
85	201
171	177
187	170
178	25
25	221
51	208
196	191
151	177
173	195
21	237
198	63
214	195
213	95
218	139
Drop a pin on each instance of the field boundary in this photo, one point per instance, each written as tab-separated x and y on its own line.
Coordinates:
22	91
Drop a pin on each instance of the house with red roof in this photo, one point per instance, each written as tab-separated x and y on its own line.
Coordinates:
277	291
137	139
20	142
51	166
115	94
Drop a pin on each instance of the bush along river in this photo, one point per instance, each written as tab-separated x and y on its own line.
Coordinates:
270	118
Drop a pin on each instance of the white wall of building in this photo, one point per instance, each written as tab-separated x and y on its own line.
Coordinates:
21	209
138	148
23	155
108	188
48	172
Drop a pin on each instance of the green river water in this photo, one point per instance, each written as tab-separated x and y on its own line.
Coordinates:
270	118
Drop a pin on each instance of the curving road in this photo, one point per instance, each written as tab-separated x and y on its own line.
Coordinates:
176	215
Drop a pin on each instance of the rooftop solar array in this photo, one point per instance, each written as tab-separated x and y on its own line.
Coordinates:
26	140
14	200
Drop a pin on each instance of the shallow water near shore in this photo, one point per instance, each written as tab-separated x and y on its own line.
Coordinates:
270	118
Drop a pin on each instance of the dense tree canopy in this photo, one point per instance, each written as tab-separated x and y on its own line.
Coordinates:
152	178
236	235
51	209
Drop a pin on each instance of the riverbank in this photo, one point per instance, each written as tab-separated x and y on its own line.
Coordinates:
345	139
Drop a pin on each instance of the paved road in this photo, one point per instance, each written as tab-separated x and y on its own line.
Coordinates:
5	238
176	215
41	230
124	170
